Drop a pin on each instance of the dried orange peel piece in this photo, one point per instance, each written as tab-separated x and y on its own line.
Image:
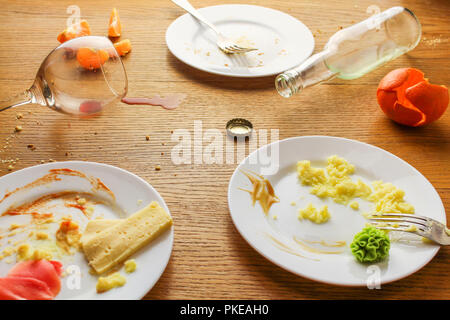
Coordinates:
406	97
74	31
123	47
92	59
115	27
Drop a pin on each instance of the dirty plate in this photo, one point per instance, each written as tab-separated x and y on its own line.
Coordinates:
274	238
129	194
282	41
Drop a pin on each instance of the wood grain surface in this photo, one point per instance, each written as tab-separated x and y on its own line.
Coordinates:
210	259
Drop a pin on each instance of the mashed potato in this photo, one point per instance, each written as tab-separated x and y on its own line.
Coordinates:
334	182
388	198
114	280
311	213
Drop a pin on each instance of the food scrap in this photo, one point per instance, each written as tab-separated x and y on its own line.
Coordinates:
74	31
388	199
123	237
32	280
107	283
123	47
114	27
334	182
406	97
92	59
130	266
262	191
313	214
370	245
68	236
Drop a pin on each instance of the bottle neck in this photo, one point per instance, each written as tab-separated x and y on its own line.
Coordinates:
314	70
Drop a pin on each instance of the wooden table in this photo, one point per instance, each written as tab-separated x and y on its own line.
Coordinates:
210	259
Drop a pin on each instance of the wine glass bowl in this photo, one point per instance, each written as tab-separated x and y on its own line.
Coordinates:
80	77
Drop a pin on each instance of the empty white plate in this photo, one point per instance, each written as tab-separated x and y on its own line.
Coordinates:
267	235
283	42
131	194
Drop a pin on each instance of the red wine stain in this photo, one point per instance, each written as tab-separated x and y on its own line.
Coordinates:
90	106
169	102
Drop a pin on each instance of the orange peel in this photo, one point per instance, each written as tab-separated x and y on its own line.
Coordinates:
74	31
92	59
406	97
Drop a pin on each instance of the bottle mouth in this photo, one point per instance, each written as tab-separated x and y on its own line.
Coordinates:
286	85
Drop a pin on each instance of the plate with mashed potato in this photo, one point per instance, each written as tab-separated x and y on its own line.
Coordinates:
84	230
303	203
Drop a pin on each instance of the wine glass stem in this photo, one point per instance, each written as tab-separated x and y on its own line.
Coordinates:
25	97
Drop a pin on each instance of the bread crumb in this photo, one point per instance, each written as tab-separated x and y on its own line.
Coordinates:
42	236
157	167
18	128
147	138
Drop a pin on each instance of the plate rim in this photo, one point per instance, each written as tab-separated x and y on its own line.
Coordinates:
233	75
139	293
265	255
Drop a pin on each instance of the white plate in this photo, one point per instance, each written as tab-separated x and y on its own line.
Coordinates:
283	42
132	193
407	255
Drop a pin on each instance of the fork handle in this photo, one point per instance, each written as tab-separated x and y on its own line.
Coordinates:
189	8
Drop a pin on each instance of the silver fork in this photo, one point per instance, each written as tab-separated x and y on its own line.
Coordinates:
225	44
420	225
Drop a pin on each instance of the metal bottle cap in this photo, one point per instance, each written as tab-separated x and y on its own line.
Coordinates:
239	127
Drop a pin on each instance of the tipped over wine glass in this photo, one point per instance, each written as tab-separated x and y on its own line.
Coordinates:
80	77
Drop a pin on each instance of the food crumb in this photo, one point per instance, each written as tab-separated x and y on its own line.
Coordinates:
130	266
31	147
42	236
354	205
147	138
19	116
10	167
18	128
157	167
81	201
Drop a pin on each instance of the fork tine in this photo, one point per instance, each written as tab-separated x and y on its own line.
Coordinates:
418	231
236	49
413	216
380	224
230	49
243	48
381	219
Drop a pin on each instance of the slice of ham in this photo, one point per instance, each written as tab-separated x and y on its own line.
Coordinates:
46	271
19	288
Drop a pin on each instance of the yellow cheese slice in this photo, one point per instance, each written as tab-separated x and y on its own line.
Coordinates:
116	243
94	227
